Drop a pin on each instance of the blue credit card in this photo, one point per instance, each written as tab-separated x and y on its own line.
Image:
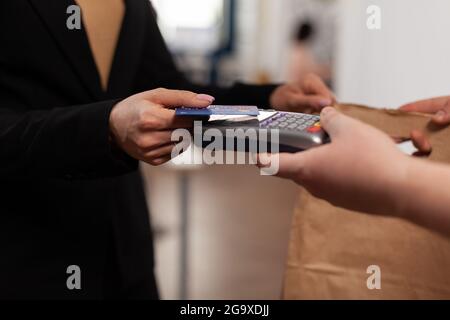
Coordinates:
219	110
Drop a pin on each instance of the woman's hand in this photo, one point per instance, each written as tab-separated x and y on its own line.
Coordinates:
142	125
310	96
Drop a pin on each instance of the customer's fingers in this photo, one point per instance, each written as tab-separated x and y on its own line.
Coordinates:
426	106
421	142
442	117
336	123
290	166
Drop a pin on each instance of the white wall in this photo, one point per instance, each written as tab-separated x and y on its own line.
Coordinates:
263	35
408	59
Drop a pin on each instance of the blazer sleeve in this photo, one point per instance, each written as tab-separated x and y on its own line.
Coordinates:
68	143
159	70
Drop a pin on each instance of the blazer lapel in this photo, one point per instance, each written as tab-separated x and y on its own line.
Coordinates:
74	44
128	54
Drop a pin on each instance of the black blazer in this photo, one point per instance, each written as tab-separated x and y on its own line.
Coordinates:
66	198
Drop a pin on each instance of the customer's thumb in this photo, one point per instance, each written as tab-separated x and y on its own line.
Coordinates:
336	123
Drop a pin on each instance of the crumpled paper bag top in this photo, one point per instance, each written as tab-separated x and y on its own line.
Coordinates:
331	248
400	124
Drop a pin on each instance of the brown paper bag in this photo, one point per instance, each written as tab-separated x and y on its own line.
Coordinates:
331	248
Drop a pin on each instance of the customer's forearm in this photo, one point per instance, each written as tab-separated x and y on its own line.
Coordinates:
424	195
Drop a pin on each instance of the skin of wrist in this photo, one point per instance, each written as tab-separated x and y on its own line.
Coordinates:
402	187
112	128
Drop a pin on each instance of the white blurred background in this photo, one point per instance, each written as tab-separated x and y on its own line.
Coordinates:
230	241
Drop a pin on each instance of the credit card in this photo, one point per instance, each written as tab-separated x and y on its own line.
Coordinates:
219	110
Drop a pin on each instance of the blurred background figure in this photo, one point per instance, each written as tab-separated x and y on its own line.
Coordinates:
302	58
219	41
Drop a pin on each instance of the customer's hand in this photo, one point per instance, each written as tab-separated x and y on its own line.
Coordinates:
142	125
439	107
359	170
310	96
